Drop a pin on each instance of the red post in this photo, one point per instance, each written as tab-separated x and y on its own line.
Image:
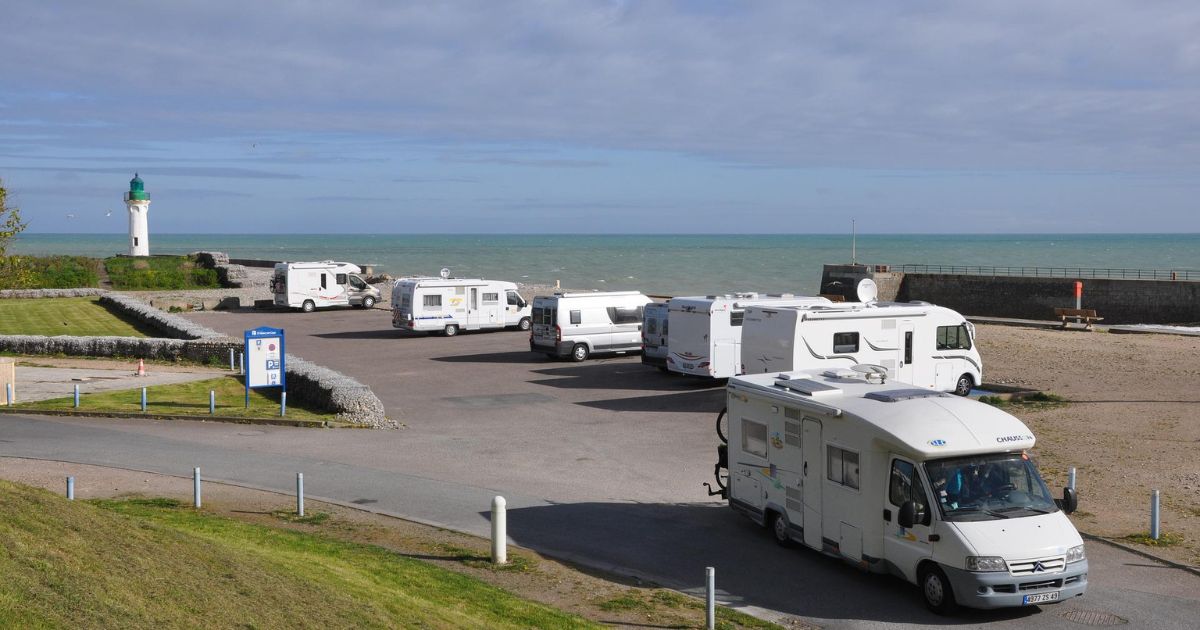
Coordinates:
1078	294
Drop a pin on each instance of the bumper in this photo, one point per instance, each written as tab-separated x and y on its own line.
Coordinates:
655	361
1001	590
560	349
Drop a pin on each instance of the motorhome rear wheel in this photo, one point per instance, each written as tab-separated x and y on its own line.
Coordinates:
308	306
450	330
964	385
579	352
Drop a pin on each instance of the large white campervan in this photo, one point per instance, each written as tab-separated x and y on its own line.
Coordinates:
448	305
706	331
312	285
578	325
936	489
654	334
918	343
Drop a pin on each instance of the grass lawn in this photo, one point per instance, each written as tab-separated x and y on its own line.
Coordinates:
186	399
81	317
151	563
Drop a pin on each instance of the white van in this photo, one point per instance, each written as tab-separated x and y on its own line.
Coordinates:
654	335
448	305
936	489
312	285
578	325
918	343
706	331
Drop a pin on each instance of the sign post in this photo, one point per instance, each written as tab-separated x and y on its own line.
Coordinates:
264	356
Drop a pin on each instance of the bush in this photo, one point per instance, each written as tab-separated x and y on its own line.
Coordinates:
63	272
159	272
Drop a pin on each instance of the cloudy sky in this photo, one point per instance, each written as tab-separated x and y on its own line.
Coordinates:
599	116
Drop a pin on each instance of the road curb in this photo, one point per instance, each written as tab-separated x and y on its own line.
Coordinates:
283	422
1142	552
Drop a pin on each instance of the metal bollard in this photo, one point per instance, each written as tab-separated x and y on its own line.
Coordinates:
143	400
1071	477
499	532
1154	515
8	395
70	488
241	363
231	359
196	487
282	404
76	396
212	402
710	598
300	494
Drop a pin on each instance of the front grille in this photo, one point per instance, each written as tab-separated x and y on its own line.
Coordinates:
1038	566
1034	586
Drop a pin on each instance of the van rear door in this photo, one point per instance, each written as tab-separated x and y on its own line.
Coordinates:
545	318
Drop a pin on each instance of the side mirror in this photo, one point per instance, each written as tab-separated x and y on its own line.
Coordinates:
1070	500
912	513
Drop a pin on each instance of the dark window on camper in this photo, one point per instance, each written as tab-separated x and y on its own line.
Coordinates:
902	487
545	316
433	302
735	317
323	282
953	338
651	326
576	317
341	278
491	298
908	347
625	315
842	466
514	299
845	342
754	438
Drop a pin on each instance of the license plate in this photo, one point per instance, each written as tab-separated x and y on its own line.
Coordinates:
1041	597
688	366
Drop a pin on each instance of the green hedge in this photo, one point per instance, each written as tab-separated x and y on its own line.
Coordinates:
49	272
159	272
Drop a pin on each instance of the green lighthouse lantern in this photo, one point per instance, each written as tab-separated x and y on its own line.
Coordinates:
137	189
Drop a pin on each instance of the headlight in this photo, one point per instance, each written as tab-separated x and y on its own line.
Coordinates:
986	563
1075	554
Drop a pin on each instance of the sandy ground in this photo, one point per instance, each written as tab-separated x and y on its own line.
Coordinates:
1132	424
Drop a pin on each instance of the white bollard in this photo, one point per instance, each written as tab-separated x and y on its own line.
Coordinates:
196	487
300	494
1071	477
212	402
710	598
70	488
76	396
143	400
1154	516
499	532
231	359
282	404
241	363
8	395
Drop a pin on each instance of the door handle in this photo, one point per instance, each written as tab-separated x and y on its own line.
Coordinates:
805	469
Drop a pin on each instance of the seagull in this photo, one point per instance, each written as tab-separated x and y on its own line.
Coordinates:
70	215
108	214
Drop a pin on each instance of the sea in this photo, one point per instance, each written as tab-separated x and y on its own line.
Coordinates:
659	264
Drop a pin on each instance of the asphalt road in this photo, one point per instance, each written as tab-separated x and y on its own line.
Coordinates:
601	462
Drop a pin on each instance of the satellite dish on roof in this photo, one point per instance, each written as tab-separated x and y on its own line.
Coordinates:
867	291
444	273
871	371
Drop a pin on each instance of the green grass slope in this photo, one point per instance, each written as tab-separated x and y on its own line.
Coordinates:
78	317
154	564
159	272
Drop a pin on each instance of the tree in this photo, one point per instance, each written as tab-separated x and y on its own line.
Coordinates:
14	270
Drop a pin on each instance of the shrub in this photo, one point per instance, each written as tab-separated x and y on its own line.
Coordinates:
159	272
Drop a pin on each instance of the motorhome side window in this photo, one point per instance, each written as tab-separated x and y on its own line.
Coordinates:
842	466
953	338
433	302
341	278
905	485
323	282
514	299
754	438
845	342
735	317
491	298
625	315
576	317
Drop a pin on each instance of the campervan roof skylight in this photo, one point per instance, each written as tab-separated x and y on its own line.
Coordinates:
807	386
897	395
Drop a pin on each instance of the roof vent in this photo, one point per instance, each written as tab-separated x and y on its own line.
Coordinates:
816	389
897	395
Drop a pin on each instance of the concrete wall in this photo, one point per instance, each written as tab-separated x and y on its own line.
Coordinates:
1117	301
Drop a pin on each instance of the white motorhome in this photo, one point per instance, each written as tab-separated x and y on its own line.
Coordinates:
448	305
654	335
312	285
918	343
706	331
936	489
578	325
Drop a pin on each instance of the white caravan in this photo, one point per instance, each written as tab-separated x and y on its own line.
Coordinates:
448	305
312	285
578	325
706	331
654	335
936	489
918	343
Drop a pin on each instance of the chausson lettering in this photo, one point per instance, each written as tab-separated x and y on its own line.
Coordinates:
1014	438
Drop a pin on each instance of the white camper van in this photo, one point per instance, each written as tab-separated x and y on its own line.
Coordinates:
706	331
578	325
918	343
654	335
936	489
448	305
312	285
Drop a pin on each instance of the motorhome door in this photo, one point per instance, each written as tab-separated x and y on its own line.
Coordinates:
811	472
904	360
473	307
905	547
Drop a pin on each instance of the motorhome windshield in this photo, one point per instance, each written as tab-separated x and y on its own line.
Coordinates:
988	487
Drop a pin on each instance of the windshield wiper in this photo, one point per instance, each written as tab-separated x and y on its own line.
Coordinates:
976	508
1023	507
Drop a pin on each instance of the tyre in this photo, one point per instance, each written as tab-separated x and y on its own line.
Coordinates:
308	306
579	353
368	302
450	330
779	529
964	385
939	596
525	324
721	427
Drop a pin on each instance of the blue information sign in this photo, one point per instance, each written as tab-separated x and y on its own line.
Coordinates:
264	359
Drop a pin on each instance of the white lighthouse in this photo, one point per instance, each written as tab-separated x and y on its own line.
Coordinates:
138	203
